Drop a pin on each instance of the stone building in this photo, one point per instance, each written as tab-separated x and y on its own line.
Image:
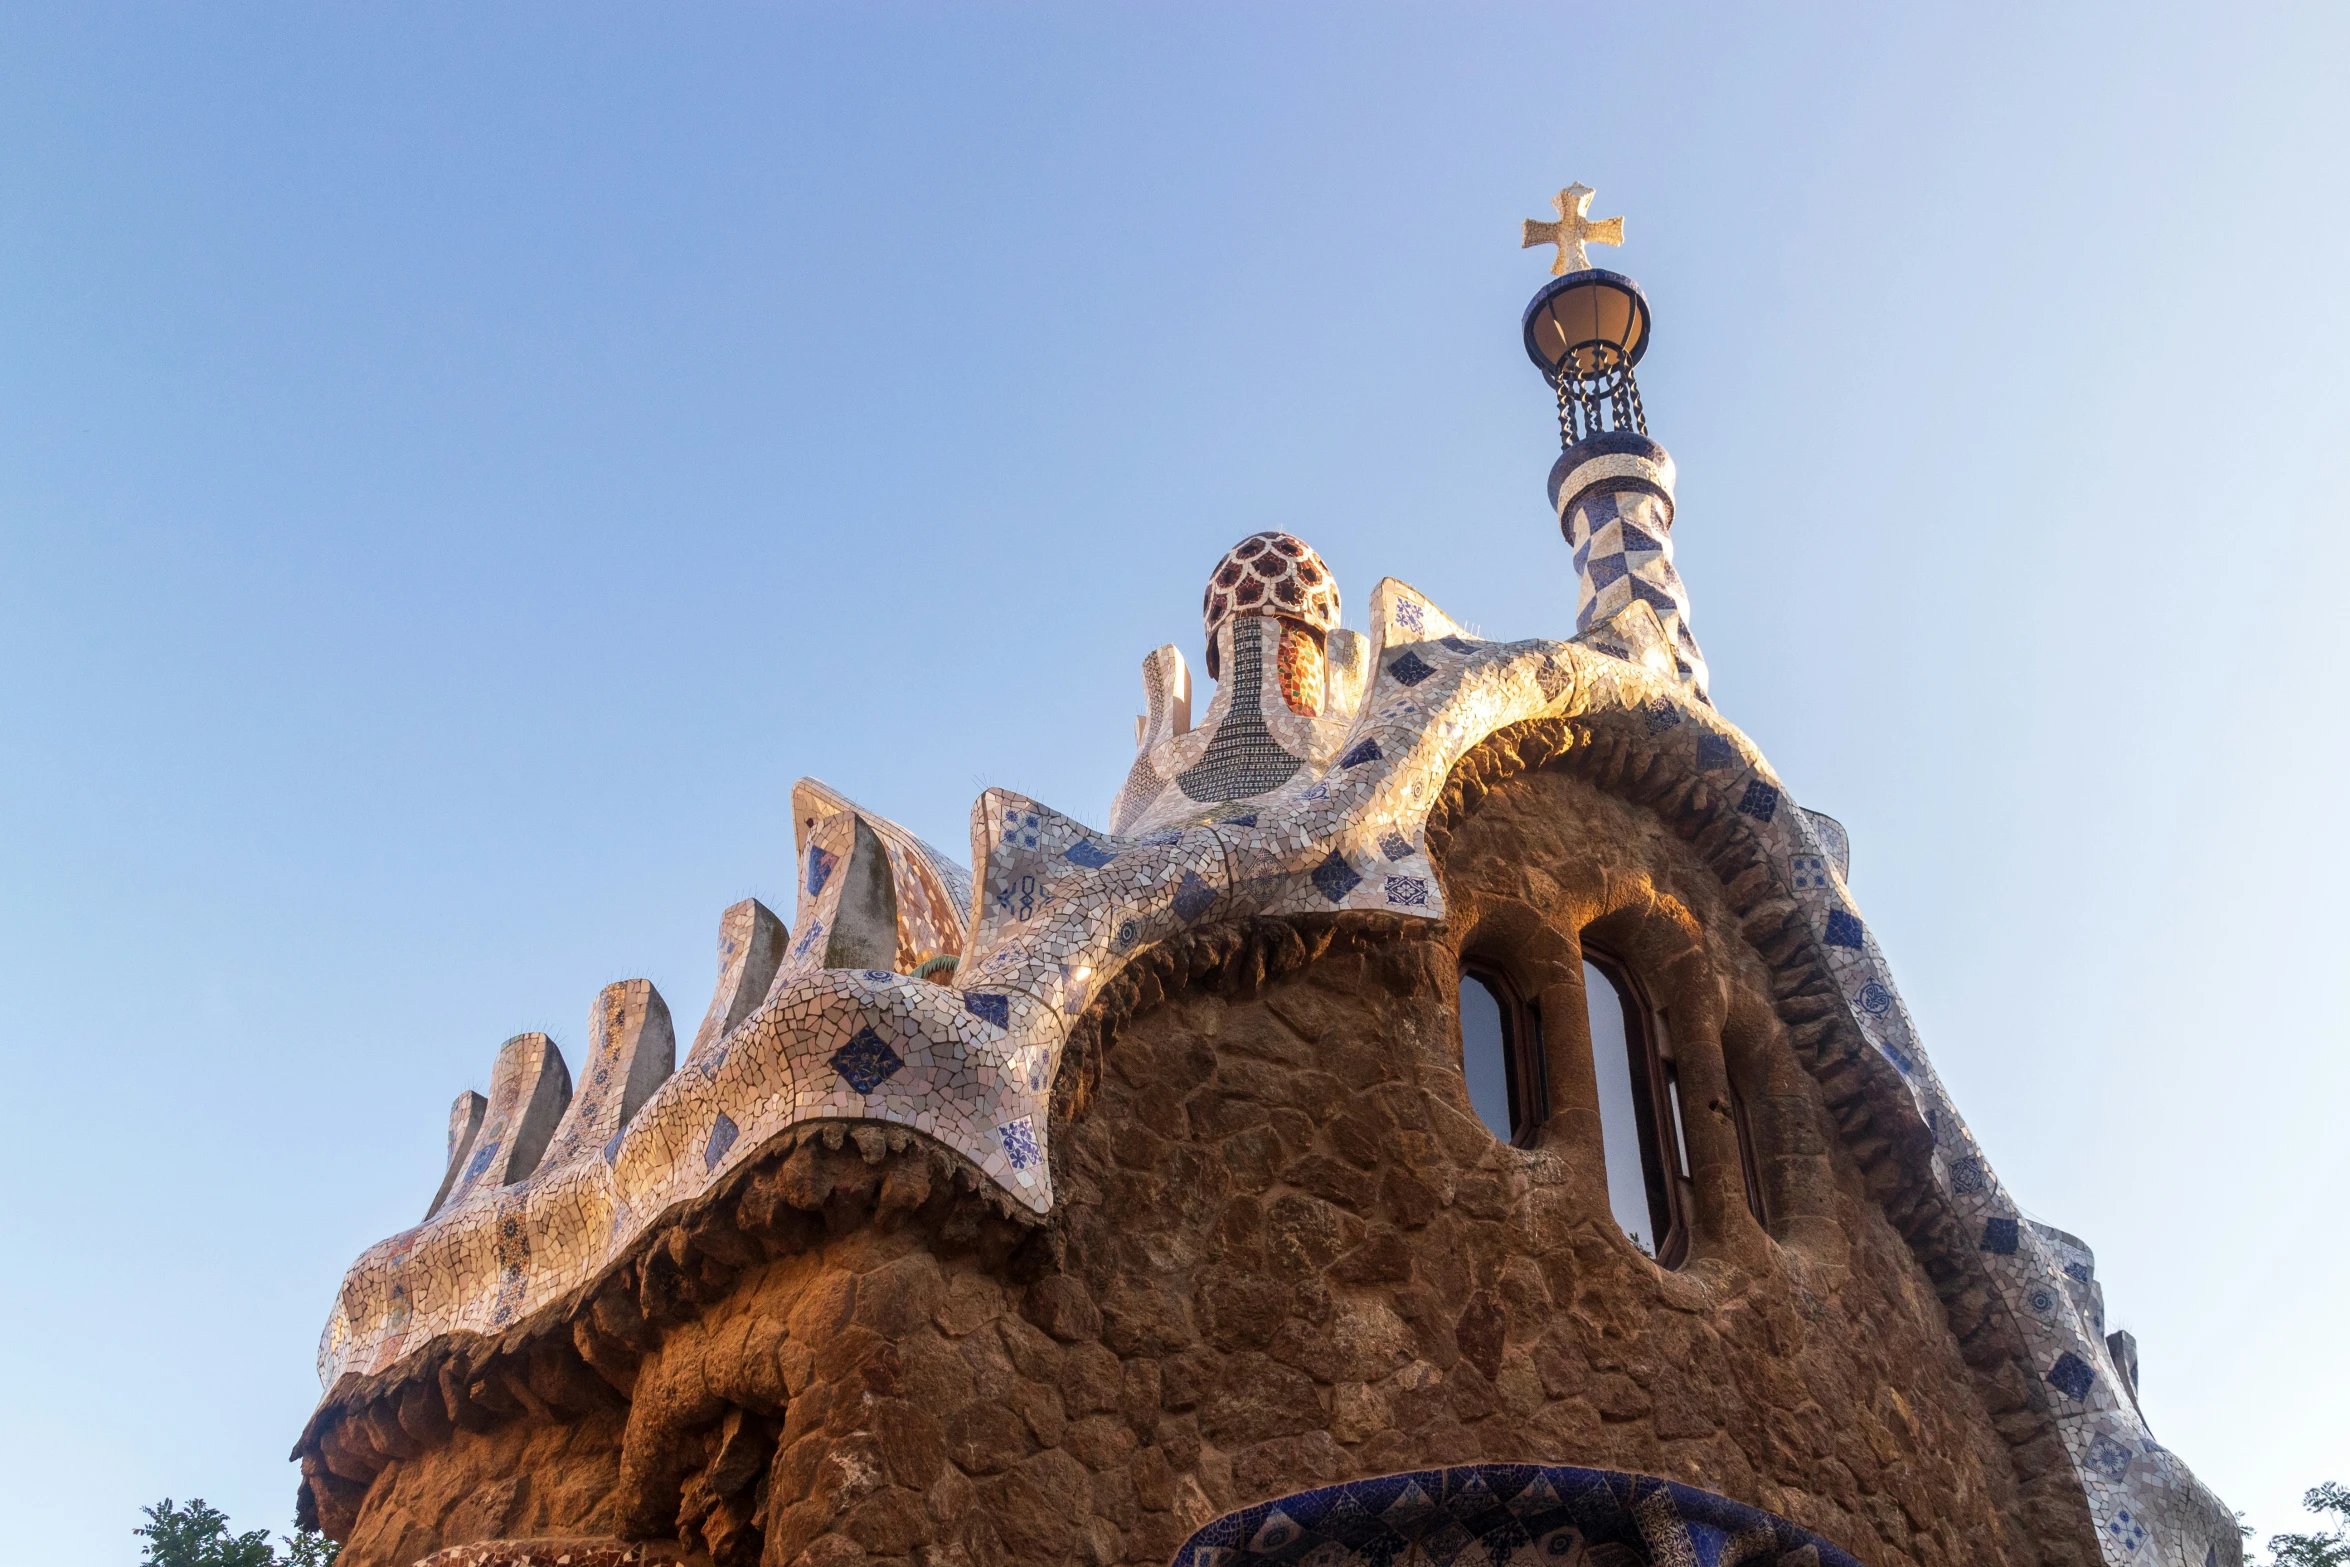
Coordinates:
1455	1112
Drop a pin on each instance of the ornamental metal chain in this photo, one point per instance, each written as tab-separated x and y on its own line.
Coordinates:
1605	398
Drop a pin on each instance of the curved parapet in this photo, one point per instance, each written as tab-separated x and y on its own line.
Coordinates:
529	1091
465	1118
751	943
632	1047
872	895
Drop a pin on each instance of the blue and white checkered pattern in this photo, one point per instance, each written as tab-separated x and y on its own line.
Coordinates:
1624	556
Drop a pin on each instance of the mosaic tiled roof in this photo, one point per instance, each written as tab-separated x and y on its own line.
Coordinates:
936	1003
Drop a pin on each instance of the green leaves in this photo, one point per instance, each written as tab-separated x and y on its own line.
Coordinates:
309	1548
197	1535
2331	1549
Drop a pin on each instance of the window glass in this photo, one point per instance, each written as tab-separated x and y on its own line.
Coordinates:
1485	1053
1615	1058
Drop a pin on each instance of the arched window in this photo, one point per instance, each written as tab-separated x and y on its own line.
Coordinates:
1501	1055
1641	1129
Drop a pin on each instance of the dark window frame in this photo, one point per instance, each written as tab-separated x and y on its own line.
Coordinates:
1743	1129
1656	1097
1521	1048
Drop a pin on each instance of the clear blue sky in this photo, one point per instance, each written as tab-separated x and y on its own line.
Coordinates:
459	465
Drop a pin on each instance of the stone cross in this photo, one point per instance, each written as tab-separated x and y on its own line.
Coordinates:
1573	230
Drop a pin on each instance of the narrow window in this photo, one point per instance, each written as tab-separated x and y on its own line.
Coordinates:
1639	1112
1501	1056
1746	1167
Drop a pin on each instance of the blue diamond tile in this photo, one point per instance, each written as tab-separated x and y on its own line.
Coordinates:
1367	751
1089	854
1715	750
820	864
1999	1236
866	1061
722	1136
1411	669
1844	929
1874	999
1336	878
1193	897
1457	644
2071	1376
1396	846
1966	1176
1663	715
989	1007
1761	801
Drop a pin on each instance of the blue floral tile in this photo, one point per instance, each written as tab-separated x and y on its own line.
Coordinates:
1335	878
2071	1376
866	1061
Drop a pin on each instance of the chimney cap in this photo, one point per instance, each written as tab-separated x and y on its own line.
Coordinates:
1597	316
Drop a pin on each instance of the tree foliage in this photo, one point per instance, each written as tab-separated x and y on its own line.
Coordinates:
197	1535
2330	1549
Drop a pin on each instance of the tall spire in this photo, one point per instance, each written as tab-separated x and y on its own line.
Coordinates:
1612	487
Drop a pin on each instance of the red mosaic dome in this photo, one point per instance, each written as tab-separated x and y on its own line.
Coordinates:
1270	574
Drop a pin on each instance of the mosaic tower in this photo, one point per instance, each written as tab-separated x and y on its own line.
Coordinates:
1612	487
1455	1113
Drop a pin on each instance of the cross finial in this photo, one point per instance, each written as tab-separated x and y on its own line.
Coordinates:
1573	230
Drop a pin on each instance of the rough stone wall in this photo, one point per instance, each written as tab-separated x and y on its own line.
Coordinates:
1286	1253
530	1476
